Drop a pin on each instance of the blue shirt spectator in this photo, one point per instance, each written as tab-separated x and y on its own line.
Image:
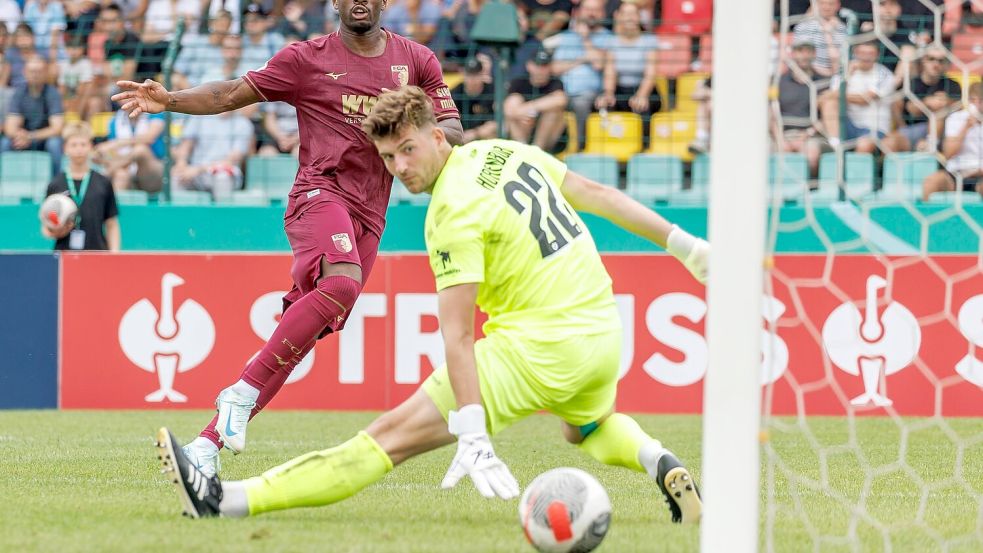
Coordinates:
47	18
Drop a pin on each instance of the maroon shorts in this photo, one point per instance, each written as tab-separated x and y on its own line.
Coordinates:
326	230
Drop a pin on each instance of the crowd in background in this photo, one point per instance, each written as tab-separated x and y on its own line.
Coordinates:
59	60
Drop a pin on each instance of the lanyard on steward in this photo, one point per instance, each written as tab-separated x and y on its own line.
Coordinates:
77	194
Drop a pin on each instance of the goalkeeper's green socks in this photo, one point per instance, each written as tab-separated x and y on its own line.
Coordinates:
620	441
317	478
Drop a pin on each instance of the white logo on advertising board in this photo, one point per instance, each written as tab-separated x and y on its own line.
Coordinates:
167	342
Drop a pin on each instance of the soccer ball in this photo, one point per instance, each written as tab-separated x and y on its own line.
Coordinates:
56	209
565	510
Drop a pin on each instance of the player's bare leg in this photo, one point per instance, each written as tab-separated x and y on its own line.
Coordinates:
616	439
549	128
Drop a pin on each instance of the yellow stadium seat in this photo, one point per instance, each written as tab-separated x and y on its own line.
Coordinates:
572	137
671	133
100	123
72	117
662	86
619	134
964	80
177	129
685	86
453	79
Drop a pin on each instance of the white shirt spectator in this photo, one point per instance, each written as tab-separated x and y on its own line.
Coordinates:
875	116
970	156
162	15
72	74
811	30
10	14
216	136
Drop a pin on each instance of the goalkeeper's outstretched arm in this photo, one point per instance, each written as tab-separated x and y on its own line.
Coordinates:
622	210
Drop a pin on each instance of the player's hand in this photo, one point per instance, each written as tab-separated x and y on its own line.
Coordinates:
475	456
693	252
146	97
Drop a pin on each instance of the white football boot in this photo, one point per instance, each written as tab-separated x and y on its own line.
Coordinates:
233	416
203	454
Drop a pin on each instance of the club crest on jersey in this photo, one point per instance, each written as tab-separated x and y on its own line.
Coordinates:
401	74
342	242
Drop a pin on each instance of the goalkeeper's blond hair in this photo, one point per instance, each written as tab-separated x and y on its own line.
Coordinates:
398	110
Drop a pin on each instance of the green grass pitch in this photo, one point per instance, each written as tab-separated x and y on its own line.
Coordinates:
90	481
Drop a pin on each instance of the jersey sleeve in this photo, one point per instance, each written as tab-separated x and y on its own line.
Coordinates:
432	82
278	79
455	244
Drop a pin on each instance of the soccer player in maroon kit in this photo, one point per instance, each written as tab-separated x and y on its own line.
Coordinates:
336	211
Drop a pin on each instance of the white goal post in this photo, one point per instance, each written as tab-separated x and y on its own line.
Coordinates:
738	176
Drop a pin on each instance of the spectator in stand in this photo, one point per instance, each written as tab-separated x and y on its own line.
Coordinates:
798	89
150	57
97	226
259	43
475	99
579	57
211	153
201	54
80	18
903	41
133	152
10	14
461	16
47	18
22	50
281	131
35	117
629	67
869	86
547	17
535	105
5	48
75	80
120	47
414	19
963	147
703	97
160	18
827	33
936	93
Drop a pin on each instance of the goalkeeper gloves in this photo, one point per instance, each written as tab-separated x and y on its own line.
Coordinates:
693	252
475	456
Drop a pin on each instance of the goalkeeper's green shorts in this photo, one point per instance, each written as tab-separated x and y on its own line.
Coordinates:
575	379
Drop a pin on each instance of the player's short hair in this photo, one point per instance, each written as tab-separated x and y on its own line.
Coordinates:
79	129
398	110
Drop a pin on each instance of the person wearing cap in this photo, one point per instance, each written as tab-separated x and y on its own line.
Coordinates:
535	105
795	130
259	44
475	98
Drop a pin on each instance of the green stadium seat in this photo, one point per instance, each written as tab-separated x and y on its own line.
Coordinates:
597	167
400	195
955	198
273	174
789	172
698	191
132	197
654	177
24	174
190	197
249	197
904	173
858	176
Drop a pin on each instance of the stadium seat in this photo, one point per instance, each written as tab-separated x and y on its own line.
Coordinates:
400	195
597	167
671	133
24	174
662	87
573	138
904	173
132	197
685	86
100	123
964	79
955	198
789	172
858	176
697	193
190	197
250	197
674	55
273	174
686	16
968	47
654	177
619	134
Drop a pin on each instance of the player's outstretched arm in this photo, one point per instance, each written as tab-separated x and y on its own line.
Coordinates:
622	210
209	98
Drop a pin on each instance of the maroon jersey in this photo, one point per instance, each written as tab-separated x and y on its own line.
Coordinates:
333	89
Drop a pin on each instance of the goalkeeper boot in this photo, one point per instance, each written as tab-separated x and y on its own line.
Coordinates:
200	495
203	454
679	489
233	416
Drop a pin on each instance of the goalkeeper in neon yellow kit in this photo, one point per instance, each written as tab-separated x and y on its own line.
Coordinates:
502	233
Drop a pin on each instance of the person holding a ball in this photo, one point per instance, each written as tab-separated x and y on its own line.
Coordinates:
95	224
